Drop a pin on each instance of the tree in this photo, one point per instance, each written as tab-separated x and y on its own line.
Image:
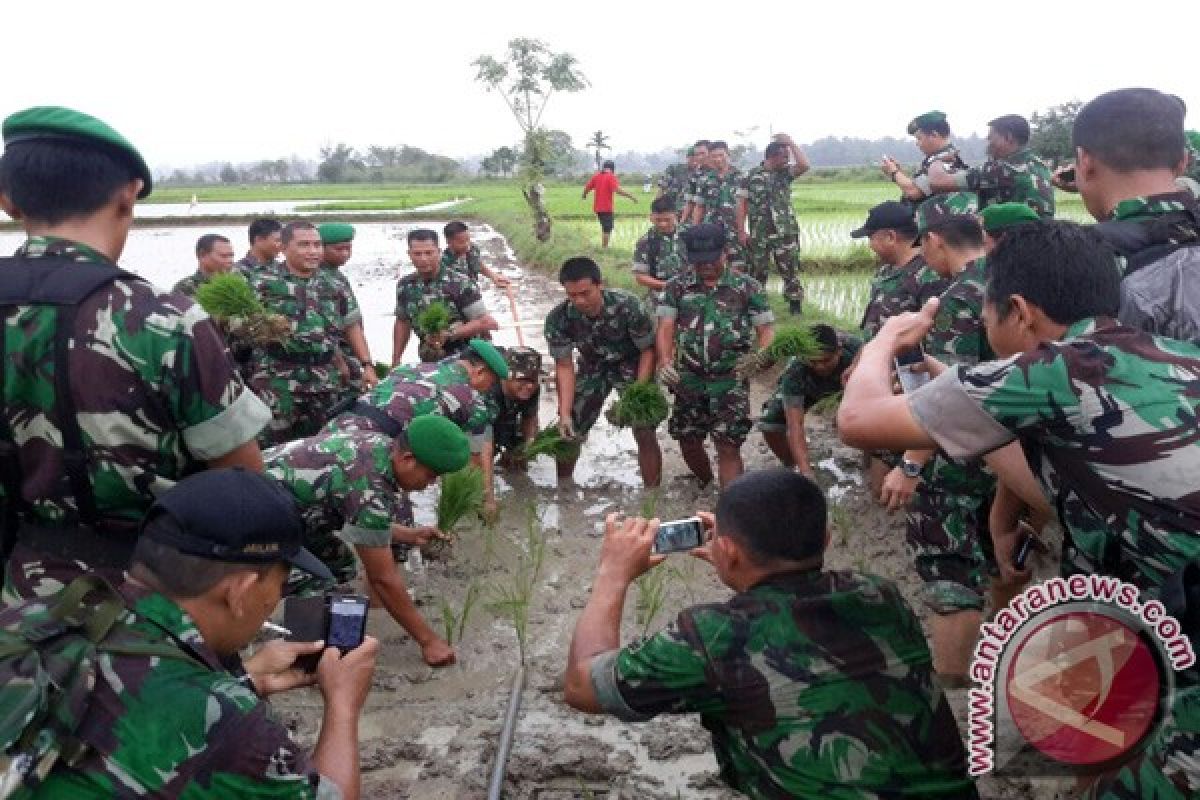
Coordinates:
599	142
383	156
339	162
526	79
1050	132
501	162
228	174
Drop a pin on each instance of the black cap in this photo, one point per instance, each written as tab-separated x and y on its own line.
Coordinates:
705	243
237	516
889	216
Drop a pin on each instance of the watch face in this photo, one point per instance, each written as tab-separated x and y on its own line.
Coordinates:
911	469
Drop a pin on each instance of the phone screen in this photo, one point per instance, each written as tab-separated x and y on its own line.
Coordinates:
905	362
679	535
347	622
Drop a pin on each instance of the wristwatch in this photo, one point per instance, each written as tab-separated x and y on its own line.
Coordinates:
911	469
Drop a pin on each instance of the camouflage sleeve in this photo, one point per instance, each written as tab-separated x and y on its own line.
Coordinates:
351	313
641	256
401	305
641	326
470	301
668	304
214	409
369	511
968	180
559	344
759	307
743	189
664	674
793	384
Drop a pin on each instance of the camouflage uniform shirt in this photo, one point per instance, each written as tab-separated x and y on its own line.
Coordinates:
343	482
812	684
661	256
320	314
674	181
180	728
800	387
1019	178
897	289
620	334
188	286
470	264
714	326
769	210
718	194
155	393
453	287
949	156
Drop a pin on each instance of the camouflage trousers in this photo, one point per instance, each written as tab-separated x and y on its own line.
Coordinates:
782	250
717	406
945	532
294	415
1169	767
593	384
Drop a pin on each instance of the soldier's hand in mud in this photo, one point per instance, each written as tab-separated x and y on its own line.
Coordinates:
418	536
668	375
905	331
626	551
273	666
897	490
709	523
437	653
566	428
344	680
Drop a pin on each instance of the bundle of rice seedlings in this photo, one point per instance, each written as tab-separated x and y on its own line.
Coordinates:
549	442
382	369
641	404
228	295
434	318
794	340
828	405
462	494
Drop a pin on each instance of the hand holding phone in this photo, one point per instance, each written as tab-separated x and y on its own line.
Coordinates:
910	370
338	620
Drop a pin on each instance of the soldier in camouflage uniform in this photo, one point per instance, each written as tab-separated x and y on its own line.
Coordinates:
225	740
433	283
696	177
716	201
301	379
713	325
214	255
150	393
812	683
802	384
266	243
337	241
903	281
932	133
1107	416
515	401
1012	173
351	491
614	338
660	254
765	201
673	183
998	219
464	255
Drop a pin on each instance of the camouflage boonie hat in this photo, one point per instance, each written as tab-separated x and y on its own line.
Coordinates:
524	364
943	207
925	120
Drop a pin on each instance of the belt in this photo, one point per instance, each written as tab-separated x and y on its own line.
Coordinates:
109	548
307	359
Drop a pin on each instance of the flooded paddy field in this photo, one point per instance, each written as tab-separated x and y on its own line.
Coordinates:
432	734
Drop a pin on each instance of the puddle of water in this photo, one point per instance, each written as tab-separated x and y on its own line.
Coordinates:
830	465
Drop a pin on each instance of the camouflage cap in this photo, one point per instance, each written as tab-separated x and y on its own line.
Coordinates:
491	356
233	515
943	207
923	121
45	123
438	443
1005	215
335	232
524	363
705	243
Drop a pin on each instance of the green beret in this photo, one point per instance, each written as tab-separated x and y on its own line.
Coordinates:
65	124
335	232
1005	215
925	120
491	356
943	207
438	443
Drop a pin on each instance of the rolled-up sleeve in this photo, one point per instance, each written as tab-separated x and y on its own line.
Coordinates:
956	420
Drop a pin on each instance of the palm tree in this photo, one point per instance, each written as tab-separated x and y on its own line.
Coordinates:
600	142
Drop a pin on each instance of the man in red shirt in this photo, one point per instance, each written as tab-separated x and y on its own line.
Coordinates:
606	185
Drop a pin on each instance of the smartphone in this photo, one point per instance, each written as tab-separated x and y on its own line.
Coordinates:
911	380
679	535
1067	175
338	620
1023	551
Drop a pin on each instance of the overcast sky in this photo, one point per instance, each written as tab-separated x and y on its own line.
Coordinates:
216	80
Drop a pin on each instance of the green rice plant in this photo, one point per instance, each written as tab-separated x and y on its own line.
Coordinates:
651	596
549	442
511	598
434	318
794	341
454	622
228	295
649	507
827	406
641	404
382	369
840	519
462	494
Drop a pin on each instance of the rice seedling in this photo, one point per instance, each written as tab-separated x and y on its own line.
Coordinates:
511	598
228	295
651	596
641	404
434	318
649	507
549	442
454	622
382	369
827	406
462	494
794	341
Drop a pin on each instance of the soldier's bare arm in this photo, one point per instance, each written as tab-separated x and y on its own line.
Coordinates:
358	344
388	585
649	281
739	220
800	163
344	681
564	385
473	328
246	455
765	334
646	365
400	333
664	341
797	439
